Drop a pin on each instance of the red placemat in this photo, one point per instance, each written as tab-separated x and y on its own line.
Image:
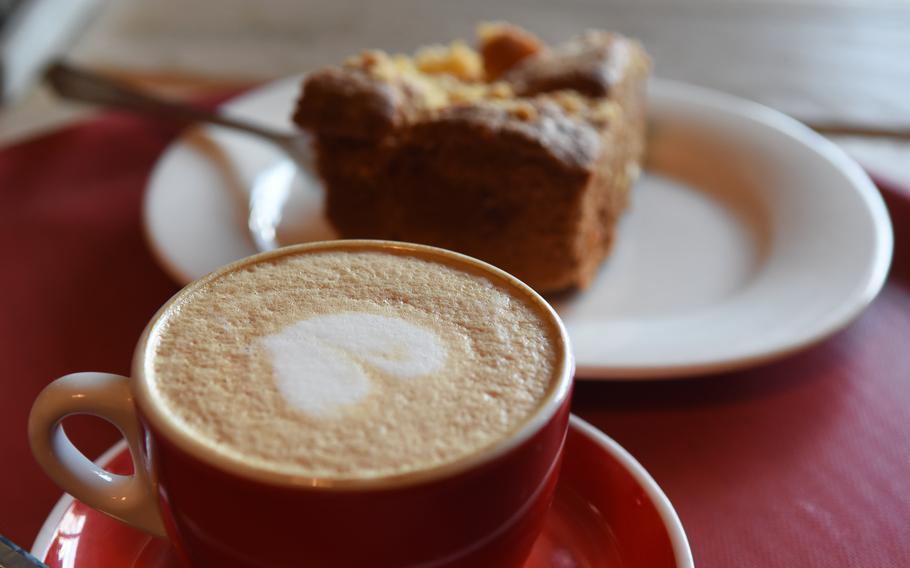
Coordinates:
77	285
802	463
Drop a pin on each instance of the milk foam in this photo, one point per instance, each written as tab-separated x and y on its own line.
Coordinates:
323	363
352	364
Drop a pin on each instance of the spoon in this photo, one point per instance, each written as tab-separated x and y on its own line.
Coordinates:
271	189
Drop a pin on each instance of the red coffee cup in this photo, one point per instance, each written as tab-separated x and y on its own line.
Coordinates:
484	510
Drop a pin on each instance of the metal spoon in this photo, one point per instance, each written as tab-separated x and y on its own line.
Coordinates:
271	189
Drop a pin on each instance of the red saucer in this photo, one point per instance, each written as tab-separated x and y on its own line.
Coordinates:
608	512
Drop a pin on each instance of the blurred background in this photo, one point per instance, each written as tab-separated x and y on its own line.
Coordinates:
836	64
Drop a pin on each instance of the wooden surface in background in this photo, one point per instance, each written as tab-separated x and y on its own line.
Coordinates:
832	63
826	61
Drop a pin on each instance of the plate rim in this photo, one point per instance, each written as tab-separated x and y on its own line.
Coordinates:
824	149
865	189
669	517
45	537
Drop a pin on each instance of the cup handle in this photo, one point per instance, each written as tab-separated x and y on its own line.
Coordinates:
129	498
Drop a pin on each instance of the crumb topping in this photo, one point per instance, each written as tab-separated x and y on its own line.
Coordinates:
443	76
458	60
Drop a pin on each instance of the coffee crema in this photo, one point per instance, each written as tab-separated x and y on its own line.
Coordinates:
352	364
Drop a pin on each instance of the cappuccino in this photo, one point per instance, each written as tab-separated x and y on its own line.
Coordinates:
353	362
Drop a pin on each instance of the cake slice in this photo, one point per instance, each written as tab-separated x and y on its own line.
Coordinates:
515	153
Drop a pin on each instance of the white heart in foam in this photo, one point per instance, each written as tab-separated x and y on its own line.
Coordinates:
318	363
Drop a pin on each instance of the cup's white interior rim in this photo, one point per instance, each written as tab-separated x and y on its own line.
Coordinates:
167	425
611	448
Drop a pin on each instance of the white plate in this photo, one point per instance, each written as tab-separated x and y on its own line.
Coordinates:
749	236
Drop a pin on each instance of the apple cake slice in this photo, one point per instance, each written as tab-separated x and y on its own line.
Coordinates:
516	153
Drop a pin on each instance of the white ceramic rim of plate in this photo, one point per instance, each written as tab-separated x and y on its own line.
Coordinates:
678	539
725	357
668	516
42	544
847	311
870	284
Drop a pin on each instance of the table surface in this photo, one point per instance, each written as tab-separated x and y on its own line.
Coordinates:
802	463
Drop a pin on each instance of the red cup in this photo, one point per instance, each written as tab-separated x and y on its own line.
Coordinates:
484	510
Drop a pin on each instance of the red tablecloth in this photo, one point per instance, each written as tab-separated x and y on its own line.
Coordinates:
801	463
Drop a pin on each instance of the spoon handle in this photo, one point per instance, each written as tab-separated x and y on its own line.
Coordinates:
11	556
85	86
